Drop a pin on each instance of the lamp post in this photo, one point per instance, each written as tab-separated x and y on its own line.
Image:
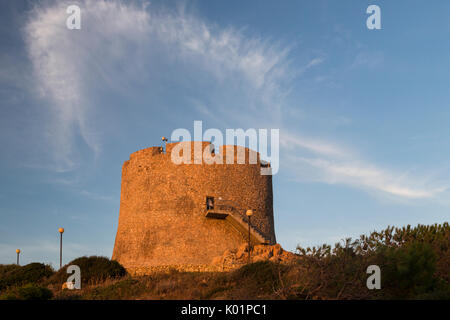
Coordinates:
164	139
61	231
18	253
249	214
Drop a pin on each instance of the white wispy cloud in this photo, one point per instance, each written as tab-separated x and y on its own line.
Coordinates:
314	62
117	46
333	164
368	59
290	142
97	197
67	63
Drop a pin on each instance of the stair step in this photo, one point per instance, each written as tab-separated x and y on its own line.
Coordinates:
216	214
227	211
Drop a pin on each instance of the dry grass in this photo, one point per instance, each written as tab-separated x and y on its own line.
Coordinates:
256	281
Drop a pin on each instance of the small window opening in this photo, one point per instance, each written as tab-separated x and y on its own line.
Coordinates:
209	203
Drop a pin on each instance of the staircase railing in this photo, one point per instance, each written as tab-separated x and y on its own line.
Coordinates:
239	215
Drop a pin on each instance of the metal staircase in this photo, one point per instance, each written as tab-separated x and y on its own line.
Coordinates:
227	210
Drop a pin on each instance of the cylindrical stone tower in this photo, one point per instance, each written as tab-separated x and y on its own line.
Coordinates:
187	214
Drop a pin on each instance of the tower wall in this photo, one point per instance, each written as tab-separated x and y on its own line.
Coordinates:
162	207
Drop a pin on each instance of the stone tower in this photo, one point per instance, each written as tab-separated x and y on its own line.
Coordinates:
187	214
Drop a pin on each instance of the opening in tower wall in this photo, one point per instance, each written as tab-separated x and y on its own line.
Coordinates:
209	203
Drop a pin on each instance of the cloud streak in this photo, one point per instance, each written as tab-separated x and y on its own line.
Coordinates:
69	63
64	61
328	163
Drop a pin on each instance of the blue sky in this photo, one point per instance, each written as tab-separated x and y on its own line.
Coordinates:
363	114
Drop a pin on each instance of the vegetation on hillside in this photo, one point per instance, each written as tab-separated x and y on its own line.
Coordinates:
414	264
27	292
94	270
15	276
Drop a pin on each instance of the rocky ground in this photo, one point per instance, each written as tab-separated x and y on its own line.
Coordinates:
232	259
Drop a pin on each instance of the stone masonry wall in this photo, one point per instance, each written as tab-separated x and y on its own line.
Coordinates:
162	208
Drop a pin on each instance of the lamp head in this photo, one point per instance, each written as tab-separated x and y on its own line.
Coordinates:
249	212
61	230
18	250
164	139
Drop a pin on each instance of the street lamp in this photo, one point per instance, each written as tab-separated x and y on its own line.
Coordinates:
164	139
61	231
249	214
18	253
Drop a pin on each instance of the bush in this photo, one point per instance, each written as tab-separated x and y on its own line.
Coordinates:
409	271
6	268
121	290
264	274
93	269
30	273
28	292
414	264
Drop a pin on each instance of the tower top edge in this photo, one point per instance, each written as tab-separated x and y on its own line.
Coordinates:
159	150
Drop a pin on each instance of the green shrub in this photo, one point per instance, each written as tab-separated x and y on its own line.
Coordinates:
120	290
28	292
6	268
441	291
30	273
214	291
414	263
264	274
93	269
409	271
